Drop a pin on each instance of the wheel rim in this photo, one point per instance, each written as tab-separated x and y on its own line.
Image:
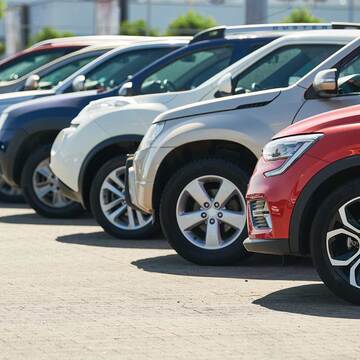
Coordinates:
211	212
343	242
47	186
7	189
114	207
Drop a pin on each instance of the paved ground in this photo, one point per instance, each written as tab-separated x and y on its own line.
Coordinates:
67	291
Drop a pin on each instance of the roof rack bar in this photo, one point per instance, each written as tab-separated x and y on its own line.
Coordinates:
222	31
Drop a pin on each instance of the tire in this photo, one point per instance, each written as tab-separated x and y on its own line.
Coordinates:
334	241
46	180
10	194
200	245
107	188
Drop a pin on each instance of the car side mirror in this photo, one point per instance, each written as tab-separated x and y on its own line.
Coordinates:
325	83
32	82
78	83
224	86
126	89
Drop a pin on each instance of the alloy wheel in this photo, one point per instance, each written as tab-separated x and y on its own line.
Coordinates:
114	206
343	242
211	212
47	187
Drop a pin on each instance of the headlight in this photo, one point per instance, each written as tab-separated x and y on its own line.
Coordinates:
153	132
288	149
3	118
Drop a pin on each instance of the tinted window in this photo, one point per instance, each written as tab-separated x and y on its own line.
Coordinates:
53	78
115	71
349	77
188	71
283	67
25	64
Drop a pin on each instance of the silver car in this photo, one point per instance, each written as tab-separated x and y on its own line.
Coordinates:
193	165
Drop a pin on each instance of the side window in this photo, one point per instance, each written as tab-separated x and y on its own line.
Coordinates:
282	67
116	70
188	71
17	68
54	77
349	77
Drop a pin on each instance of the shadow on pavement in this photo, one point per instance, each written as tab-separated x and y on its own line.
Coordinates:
104	240
313	299
35	219
259	267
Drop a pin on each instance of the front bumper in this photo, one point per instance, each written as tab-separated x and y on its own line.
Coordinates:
71	194
10	144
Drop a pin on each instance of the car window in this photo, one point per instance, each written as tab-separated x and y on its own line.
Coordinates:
282	67
349	77
22	66
117	69
188	71
55	77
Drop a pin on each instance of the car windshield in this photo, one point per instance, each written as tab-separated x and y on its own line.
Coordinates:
188	71
117	69
53	78
283	67
19	67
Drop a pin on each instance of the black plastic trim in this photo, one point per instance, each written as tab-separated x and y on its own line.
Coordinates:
268	246
112	141
308	192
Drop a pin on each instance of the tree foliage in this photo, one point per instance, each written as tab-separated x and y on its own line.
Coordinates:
49	33
301	15
137	27
189	24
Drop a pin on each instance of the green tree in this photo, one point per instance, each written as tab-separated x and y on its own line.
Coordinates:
49	33
137	27
2	8
301	15
189	24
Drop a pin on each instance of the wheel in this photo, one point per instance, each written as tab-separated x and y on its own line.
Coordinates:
108	205
8	193
41	188
335	241
203	212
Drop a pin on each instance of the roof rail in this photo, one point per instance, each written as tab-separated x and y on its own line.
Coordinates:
220	32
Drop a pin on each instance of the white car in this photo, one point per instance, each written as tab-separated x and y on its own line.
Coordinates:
89	156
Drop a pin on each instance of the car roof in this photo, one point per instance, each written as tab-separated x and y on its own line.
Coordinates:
323	35
98	39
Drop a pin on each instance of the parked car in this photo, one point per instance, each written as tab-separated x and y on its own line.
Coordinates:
193	165
47	77
27	130
100	155
50	75
23	63
304	197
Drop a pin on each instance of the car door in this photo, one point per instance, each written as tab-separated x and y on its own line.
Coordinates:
348	94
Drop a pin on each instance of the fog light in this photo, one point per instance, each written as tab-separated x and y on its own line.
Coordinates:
260	215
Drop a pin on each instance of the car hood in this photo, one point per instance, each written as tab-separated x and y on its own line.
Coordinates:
323	122
220	105
17	97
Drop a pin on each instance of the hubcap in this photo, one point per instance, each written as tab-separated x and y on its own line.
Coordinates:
114	206
343	242
47	188
211	212
7	189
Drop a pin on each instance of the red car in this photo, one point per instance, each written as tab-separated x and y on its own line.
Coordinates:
304	198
